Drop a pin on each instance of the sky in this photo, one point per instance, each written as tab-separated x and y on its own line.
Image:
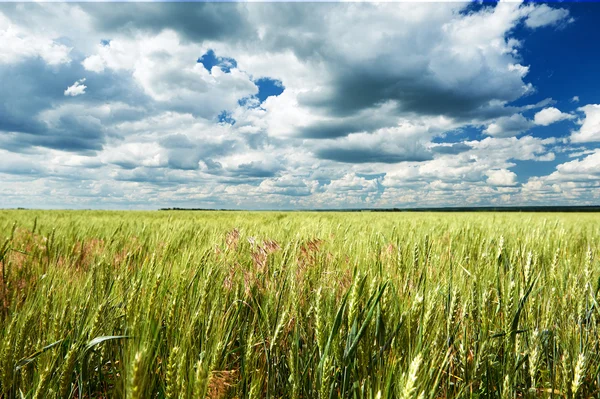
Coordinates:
299	105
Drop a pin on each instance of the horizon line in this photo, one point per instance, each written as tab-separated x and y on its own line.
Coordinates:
510	208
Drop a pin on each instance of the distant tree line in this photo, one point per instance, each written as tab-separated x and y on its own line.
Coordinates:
585	208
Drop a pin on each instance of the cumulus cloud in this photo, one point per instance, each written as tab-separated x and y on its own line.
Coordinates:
350	188
550	115
19	164
435	77
589	165
590	125
508	126
472	167
76	89
203	21
169	72
544	15
524	148
576	181
17	43
501	177
288	186
402	143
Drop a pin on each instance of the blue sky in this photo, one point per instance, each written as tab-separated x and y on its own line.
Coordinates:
148	105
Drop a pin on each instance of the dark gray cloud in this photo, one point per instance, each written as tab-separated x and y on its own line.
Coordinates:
185	153
414	91
31	87
305	27
184	159
367	155
291	188
27	88
245	173
155	176
509	126
195	21
256	169
451	149
22	168
344	126
176	141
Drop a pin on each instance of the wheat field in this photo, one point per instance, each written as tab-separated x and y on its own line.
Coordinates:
98	304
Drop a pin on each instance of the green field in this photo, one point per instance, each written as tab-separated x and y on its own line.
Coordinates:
298	305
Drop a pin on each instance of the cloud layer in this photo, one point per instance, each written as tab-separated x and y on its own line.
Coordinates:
214	105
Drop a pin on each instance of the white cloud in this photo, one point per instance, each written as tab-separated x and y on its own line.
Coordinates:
351	182
523	149
76	89
588	166
17	44
575	99
94	63
288	185
508	126
501	177
19	164
576	181
544	15
133	155
472	167
168	71
590	125
550	115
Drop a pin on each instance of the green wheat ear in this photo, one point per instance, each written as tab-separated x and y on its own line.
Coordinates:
137	377
171	376
66	377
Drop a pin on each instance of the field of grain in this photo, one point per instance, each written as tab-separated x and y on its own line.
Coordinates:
298	305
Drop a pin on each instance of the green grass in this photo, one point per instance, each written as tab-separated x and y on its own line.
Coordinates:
299	305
